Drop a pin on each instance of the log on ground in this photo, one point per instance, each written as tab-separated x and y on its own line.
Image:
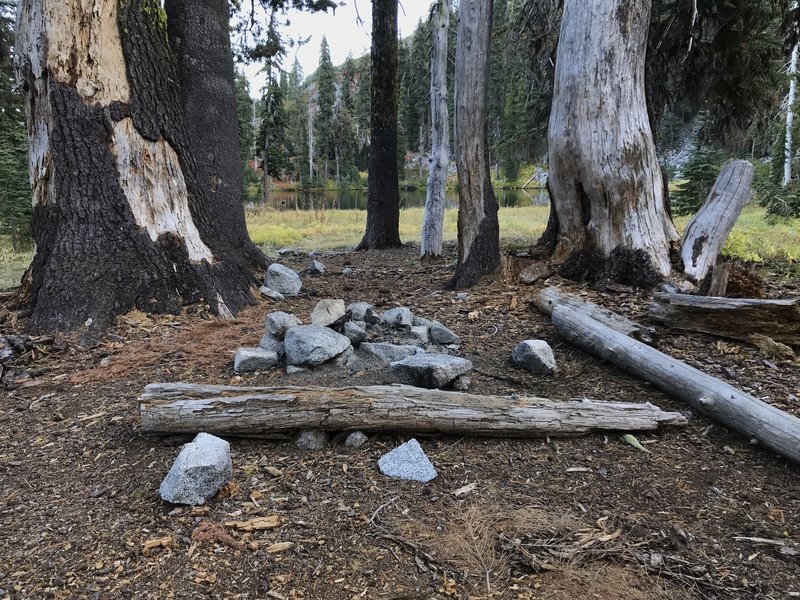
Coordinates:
260	411
773	428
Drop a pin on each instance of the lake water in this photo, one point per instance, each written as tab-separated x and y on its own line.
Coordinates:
357	199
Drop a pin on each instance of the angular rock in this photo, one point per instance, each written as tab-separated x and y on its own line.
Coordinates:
421	333
312	345
202	467
398	317
461	296
327	312
291	370
270	293
273	344
316	268
536	356
430	370
389	352
356	439
249	360
311	439
421	322
347	271
278	323
407	461
372	318
356	331
357	310
283	280
441	334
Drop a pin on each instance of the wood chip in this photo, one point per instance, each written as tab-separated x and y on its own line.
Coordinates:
279	547
465	490
162	542
257	524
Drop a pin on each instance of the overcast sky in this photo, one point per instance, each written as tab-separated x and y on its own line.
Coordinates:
345	34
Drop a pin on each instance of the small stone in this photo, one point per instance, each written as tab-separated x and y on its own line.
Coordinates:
372	318
327	312
347	271
283	280
430	370
316	268
407	461
441	334
278	323
356	439
291	370
270	293
312	345
536	356
462	383
421	333
249	360
389	352
686	287
311	439
356	331
398	317
202	467
357	310
461	296
273	344
668	288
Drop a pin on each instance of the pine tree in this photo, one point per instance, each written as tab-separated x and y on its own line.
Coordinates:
326	99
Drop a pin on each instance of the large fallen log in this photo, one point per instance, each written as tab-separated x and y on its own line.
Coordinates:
735	318
709	228
256	411
741	412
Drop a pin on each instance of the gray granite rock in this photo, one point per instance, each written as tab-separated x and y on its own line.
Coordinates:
461	296
462	383
356	331
398	317
421	322
389	352
536	356
202	467
273	344
421	333
316	268
430	370
270	293
356	439
327	312
409	462
311	345
283	280
347	271
249	360
278	323
291	369
311	439
441	334
357	310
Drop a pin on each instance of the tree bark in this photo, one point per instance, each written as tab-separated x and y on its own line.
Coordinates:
709	228
121	218
228	410
605	183
383	187
478	229
433	219
788	154
773	428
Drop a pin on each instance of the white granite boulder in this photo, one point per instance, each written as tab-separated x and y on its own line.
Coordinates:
203	466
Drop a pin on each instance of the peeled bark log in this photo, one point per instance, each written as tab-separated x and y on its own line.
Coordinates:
478	229
433	220
605	183
734	318
256	411
771	427
709	228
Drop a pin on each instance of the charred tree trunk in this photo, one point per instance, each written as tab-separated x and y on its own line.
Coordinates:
121	218
478	230
605	182
433	220
383	194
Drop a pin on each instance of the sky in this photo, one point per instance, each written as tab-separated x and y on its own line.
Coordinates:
345	34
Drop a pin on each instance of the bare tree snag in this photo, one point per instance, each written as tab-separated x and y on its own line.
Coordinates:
605	183
255	411
709	228
478	229
433	220
734	318
771	427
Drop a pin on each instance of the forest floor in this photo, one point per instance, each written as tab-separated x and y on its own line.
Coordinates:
590	517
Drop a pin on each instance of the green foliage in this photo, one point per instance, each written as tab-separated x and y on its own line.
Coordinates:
700	173
326	99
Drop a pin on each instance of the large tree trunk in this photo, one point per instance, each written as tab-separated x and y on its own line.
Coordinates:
383	194
788	153
433	220
605	182
478	231
121	218
254	411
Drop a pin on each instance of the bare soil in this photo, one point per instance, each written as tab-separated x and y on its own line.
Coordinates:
80	514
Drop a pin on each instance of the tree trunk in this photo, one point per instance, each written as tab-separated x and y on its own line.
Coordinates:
433	219
787	164
605	183
773	428
310	142
478	230
383	187
709	228
254	411
122	218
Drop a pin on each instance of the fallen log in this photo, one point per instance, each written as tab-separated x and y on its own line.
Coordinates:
256	411
741	412
709	228
551	297
734	318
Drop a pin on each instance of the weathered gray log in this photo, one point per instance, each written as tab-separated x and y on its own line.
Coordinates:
709	228
255	411
550	297
741	412
735	318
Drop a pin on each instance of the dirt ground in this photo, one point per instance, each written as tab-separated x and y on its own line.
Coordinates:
593	517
